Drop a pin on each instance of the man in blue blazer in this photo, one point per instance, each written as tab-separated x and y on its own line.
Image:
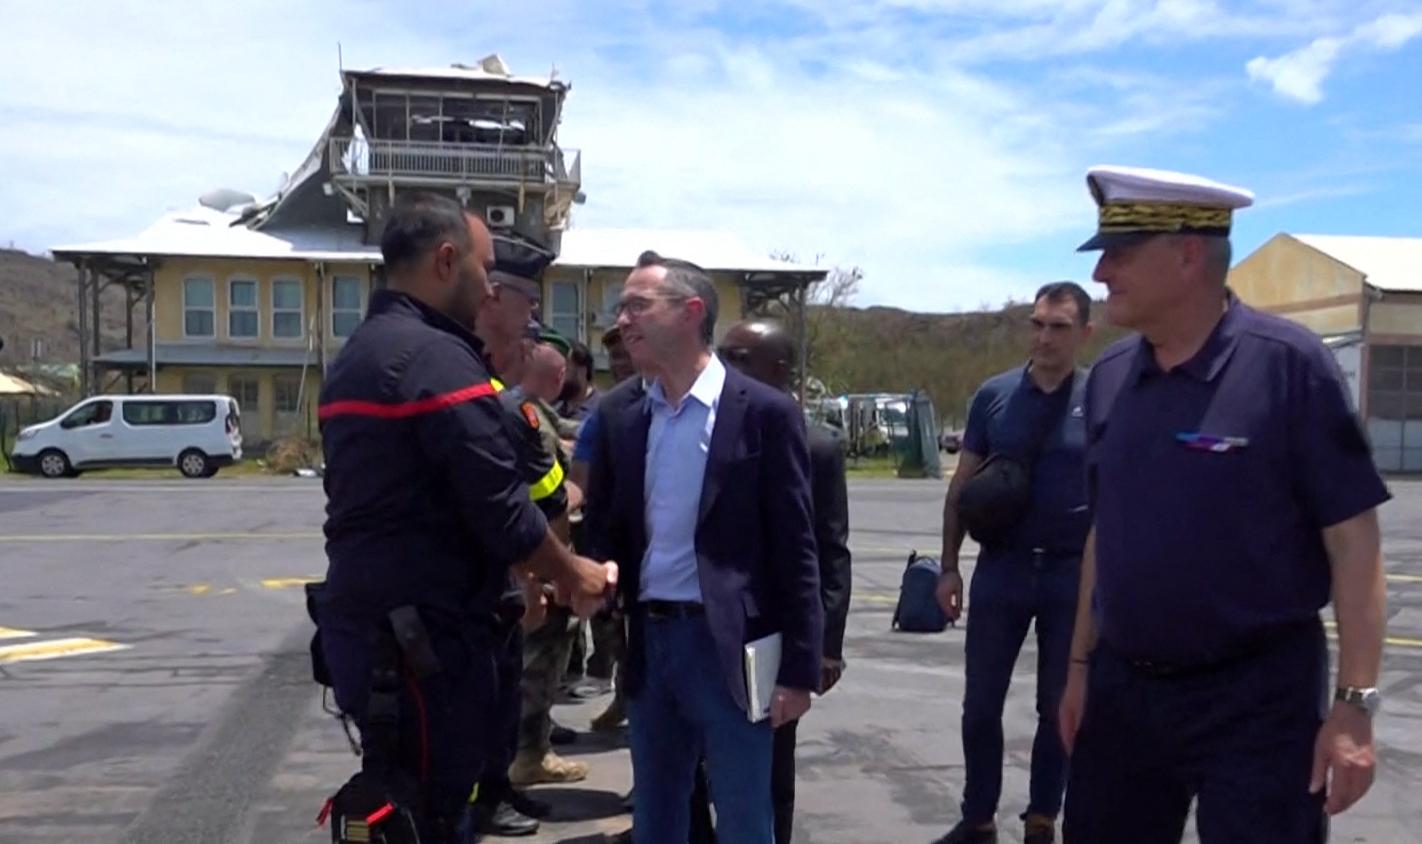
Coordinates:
700	489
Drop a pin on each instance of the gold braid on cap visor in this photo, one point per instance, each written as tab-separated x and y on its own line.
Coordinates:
1159	217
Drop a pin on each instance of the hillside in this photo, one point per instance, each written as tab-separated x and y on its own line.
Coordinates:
38	298
891	350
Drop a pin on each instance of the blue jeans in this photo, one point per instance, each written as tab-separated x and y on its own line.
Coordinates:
683	710
1009	592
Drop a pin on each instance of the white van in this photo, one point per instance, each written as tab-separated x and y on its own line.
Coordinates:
197	434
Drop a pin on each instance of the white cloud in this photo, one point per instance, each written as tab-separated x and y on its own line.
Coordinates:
879	133
1299	75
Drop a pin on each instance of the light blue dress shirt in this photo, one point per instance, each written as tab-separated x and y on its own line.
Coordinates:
678	441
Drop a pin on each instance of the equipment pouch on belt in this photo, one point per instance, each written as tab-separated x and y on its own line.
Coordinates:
319	672
414	642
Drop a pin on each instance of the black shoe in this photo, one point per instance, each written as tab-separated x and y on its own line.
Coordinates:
621	838
527	805
562	735
966	833
1039	830
627	803
507	821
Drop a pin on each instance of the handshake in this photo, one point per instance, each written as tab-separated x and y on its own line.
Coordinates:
583	585
587	587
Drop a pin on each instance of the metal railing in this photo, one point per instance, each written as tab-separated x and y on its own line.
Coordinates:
363	158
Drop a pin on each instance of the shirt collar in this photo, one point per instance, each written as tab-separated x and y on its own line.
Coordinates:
706	389
1210	360
1030	384
395	301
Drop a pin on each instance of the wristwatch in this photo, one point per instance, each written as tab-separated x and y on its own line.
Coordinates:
1368	700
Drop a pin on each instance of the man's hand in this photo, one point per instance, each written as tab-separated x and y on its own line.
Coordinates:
830	672
950	593
1073	705
1344	749
588	587
535	604
788	705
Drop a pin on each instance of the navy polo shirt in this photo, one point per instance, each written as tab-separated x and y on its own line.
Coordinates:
1006	414
1211	484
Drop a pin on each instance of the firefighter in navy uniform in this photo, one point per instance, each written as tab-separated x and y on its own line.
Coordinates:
427	510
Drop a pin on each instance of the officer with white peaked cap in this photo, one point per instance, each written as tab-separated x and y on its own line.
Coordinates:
1233	495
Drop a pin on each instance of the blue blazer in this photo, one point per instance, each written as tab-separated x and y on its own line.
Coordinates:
755	538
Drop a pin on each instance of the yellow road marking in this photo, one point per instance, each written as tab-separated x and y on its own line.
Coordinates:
887	599
159	537
12	633
287	582
54	649
1405	578
199	590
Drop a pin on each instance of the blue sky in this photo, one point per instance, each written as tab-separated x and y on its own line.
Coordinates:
940	145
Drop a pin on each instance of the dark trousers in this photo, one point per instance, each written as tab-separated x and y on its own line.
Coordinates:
1010	592
503	742
782	792
443	720
1237	738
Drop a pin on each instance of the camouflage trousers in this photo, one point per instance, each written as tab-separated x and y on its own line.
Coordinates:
545	658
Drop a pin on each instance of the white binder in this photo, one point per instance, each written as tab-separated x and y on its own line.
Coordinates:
762	667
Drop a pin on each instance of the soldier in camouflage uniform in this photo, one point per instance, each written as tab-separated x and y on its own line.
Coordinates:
547	649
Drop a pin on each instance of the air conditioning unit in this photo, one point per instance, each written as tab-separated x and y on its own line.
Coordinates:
500	216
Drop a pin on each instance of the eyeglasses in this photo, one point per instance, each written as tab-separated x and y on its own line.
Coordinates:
638	305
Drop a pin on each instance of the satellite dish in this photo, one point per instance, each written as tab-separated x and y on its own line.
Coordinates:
225	199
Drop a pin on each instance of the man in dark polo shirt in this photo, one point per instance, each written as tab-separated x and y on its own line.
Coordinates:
1027	572
1233	493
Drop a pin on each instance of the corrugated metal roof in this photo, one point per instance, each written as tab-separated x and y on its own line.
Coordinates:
204	232
1389	263
179	354
711	250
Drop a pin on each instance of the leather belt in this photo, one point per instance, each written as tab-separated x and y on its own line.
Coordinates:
1259	644
663	610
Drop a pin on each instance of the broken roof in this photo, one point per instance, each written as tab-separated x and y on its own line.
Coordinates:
491	68
203	232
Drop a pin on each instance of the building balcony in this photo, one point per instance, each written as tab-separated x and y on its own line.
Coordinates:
361	160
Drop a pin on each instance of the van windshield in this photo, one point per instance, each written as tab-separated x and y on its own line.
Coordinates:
94	413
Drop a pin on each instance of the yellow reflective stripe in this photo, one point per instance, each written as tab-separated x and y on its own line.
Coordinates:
548	484
498	385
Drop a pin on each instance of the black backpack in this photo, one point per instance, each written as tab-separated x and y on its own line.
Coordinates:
918	610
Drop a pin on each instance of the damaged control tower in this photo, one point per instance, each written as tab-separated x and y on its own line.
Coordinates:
477	133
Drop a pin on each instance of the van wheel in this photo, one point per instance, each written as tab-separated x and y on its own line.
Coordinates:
193	464
54	463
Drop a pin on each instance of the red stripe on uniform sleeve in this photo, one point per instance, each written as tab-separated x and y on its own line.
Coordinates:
404	410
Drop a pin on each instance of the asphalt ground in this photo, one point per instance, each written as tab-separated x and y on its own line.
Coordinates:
154	683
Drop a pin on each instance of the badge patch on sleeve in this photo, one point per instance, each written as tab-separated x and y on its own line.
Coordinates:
530	414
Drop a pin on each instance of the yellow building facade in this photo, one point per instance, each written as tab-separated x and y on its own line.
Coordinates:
1363	296
263	330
